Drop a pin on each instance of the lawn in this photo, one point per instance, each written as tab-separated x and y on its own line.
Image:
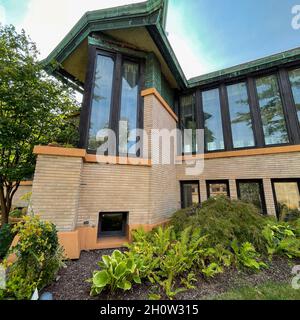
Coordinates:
266	291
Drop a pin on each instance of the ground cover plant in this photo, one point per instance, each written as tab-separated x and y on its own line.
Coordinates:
198	243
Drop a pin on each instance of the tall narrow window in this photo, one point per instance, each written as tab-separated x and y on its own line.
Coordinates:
129	105
270	103
295	84
240	116
101	100
287	195
189	193
214	139
188	121
252	192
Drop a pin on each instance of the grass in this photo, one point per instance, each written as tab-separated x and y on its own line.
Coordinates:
267	291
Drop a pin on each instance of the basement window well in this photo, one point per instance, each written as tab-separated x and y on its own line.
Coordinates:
112	224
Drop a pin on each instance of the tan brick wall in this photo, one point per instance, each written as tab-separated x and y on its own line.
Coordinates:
55	190
17	201
264	167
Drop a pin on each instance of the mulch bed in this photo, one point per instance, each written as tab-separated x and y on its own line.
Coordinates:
71	282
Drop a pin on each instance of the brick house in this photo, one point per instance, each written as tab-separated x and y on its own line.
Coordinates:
122	62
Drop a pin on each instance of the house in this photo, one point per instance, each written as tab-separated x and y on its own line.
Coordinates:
122	61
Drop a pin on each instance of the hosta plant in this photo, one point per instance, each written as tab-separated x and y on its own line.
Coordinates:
116	272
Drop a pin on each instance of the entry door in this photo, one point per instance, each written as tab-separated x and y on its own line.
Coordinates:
190	193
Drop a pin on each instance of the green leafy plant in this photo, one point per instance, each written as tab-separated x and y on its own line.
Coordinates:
116	272
39	257
282	239
247	256
6	238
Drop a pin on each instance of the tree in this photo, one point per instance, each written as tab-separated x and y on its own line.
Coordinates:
34	110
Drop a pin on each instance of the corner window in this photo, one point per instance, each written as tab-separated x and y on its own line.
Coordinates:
190	194
217	188
272	116
287	197
214	139
251	191
295	84
240	116
188	121
115	102
112	224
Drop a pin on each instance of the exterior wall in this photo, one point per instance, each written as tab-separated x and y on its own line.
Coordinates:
55	190
264	167
23	189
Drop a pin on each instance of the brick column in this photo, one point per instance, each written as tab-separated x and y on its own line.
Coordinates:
269	197
55	191
233	190
203	191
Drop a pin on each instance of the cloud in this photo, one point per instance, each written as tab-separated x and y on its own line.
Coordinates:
48	22
2	15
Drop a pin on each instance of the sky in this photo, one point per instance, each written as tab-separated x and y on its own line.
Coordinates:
206	35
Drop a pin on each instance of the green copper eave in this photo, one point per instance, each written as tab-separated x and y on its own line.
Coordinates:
246	68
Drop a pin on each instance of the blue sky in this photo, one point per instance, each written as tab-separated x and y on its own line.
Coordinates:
206	35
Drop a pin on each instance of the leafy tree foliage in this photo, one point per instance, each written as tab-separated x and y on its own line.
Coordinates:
34	110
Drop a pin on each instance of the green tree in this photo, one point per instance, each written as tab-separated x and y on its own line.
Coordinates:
35	109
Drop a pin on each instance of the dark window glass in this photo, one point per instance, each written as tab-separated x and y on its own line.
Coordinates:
188	121
190	194
101	101
295	83
240	116
252	192
272	116
214	139
112	224
288	198
218	188
129	105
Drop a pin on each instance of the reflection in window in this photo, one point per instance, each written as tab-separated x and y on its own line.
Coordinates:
288	198
190	194
101	101
295	83
240	116
213	120
271	110
129	104
216	189
188	121
252	192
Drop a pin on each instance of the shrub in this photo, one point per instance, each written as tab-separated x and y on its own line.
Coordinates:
17	213
39	257
6	238
225	220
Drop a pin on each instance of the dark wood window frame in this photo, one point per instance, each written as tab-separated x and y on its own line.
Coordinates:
182	183
288	105
261	187
209	182
119	58
287	180
101	234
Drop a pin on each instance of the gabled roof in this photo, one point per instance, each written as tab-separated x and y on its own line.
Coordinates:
151	14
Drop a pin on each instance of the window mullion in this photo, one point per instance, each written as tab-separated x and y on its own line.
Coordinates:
226	118
289	107
255	112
